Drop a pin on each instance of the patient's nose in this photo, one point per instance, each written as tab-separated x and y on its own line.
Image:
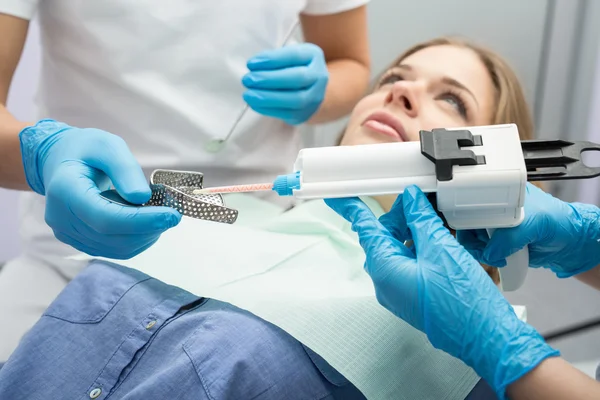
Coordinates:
404	95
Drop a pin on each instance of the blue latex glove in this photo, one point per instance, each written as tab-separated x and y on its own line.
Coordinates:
287	83
441	290
561	236
68	165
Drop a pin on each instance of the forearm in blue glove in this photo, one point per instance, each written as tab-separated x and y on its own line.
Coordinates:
563	237
68	165
440	289
287	83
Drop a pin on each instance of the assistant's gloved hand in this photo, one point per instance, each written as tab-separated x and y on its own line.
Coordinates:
68	165
441	290
561	236
288	83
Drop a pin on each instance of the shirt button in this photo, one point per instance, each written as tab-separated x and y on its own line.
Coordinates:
150	324
95	393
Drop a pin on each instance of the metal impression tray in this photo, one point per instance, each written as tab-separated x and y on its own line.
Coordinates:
175	189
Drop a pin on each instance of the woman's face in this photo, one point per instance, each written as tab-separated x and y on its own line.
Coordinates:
437	87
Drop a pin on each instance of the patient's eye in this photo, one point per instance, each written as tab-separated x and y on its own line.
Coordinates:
456	102
390	78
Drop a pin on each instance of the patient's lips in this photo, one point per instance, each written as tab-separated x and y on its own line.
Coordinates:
386	124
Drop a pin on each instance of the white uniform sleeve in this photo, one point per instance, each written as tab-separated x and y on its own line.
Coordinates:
324	7
19	8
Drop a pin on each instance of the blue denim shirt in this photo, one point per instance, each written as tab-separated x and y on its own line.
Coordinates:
116	333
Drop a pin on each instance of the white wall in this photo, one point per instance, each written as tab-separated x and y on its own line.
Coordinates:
20	103
589	190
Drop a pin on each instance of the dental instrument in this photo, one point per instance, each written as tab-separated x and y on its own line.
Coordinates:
216	145
478	175
176	189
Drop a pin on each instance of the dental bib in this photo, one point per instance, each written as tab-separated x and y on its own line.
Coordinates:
302	270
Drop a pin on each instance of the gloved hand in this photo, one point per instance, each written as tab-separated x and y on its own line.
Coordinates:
68	165
561	236
441	290
288	83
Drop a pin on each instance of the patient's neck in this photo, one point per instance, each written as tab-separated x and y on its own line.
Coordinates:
386	201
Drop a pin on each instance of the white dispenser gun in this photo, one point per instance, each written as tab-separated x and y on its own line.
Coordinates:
478	174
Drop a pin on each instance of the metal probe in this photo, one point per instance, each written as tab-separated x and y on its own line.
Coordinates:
217	145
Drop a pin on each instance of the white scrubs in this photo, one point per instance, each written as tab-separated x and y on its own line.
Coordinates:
165	76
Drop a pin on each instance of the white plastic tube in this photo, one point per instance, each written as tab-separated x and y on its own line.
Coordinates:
374	170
